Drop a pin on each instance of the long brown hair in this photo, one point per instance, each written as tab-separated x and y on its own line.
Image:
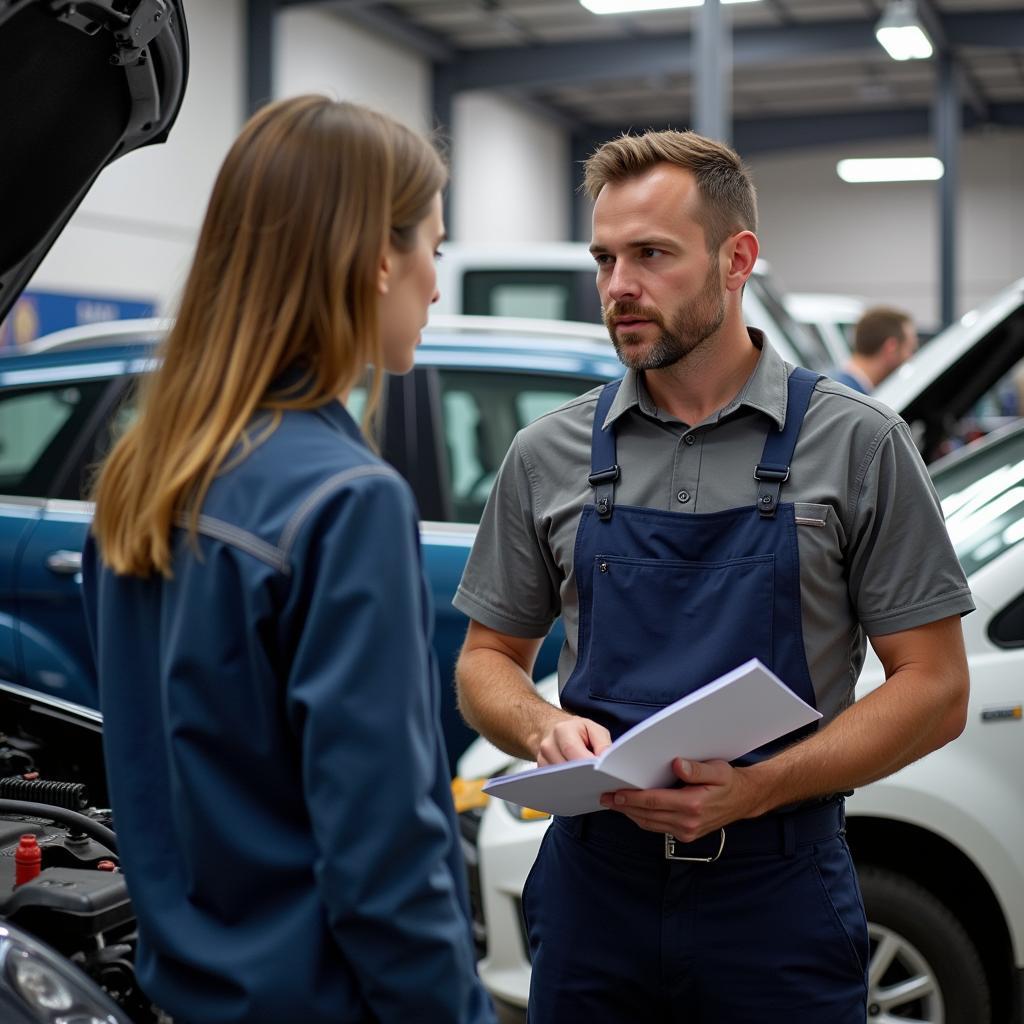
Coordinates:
285	274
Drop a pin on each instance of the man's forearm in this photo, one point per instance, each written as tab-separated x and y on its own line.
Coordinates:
499	700
893	726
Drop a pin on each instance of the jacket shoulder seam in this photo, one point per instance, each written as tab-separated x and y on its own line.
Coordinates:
319	494
218	529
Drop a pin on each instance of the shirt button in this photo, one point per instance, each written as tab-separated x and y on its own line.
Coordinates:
689	439
683	496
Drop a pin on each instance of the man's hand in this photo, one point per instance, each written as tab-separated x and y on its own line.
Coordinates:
572	738
714	795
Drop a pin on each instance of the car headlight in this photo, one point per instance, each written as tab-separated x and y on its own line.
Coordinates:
49	988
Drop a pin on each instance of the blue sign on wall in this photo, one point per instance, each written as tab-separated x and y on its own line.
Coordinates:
37	313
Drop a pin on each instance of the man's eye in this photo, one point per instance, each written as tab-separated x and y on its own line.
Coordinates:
650	252
603	260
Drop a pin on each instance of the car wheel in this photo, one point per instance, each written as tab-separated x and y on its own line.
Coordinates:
924	966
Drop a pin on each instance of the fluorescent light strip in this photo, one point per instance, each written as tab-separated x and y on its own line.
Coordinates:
917	168
640	6
908	42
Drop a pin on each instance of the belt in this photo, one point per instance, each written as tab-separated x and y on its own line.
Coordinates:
780	832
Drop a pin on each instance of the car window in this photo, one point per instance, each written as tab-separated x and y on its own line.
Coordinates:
39	426
549	294
982	496
482	413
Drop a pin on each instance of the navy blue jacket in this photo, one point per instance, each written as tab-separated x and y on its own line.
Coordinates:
279	784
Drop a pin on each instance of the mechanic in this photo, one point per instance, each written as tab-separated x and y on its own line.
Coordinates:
259	615
714	506
884	338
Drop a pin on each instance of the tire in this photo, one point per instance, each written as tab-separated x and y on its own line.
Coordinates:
914	935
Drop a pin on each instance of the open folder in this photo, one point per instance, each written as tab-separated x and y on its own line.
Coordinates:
727	718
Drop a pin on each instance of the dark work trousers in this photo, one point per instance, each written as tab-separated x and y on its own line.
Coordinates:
773	932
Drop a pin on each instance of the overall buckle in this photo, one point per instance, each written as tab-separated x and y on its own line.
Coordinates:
670	849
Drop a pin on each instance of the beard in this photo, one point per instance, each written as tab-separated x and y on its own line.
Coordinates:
690	327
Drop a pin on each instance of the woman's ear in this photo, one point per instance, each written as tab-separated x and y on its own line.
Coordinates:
384	274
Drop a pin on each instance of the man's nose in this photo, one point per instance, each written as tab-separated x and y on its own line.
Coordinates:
623	283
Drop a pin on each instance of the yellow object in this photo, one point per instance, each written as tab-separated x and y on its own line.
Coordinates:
468	794
529	814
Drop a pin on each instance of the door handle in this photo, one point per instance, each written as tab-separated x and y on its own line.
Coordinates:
64	563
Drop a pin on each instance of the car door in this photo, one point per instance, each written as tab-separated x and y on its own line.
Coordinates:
471	415
58	425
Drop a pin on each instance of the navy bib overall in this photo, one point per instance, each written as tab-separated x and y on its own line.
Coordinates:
620	930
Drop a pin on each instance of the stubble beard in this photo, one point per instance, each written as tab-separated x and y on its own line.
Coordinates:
690	329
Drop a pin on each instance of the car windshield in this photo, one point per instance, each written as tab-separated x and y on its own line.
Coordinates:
982	495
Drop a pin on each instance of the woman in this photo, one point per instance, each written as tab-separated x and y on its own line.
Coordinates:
258	611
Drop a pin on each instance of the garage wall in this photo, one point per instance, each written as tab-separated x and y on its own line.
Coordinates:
132	237
509	173
320	52
881	241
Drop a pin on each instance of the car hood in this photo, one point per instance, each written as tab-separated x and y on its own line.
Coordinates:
81	83
948	375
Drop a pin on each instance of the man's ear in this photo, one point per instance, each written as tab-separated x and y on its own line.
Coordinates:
384	274
741	251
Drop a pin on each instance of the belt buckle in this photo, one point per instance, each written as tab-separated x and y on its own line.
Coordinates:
670	849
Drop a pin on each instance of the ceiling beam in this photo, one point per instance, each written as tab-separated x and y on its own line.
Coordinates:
548	66
773	134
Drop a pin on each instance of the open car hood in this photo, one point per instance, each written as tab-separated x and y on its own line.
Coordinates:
81	83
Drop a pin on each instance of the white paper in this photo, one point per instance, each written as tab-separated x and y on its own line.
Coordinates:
727	718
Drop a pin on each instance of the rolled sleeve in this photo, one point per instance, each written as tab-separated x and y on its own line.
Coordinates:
362	699
903	571
509	582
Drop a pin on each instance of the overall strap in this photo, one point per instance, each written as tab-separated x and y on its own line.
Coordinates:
604	470
773	469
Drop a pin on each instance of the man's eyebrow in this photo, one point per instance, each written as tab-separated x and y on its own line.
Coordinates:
640	243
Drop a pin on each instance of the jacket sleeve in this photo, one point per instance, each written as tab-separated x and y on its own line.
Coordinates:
362	700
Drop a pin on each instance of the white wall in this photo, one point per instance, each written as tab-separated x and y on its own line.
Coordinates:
133	235
882	240
320	52
509	173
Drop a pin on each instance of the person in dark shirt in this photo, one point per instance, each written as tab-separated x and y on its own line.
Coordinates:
258	611
883	340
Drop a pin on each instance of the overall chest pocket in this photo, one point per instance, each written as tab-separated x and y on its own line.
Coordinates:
661	629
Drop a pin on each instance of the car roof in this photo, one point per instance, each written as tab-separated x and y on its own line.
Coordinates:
498	341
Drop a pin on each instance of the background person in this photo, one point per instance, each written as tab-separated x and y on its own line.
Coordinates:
884	338
716	505
259	616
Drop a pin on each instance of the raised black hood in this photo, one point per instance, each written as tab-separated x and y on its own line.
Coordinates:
80	85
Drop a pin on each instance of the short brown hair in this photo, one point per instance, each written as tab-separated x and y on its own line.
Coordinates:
727	193
875	326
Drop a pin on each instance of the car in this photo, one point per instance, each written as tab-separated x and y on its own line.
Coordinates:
829	318
556	280
81	86
939	845
966	381
446	427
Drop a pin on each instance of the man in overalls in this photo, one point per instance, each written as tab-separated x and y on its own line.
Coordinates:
716	505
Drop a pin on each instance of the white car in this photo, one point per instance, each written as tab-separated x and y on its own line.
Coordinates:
939	845
829	318
556	281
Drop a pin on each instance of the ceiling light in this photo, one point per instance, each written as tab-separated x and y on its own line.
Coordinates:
900	31
916	168
639	6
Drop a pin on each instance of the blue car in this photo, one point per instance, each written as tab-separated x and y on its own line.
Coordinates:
446	427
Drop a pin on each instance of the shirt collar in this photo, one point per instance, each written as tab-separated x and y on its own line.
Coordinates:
766	390
341	419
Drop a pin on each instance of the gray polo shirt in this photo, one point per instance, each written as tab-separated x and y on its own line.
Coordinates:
875	557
